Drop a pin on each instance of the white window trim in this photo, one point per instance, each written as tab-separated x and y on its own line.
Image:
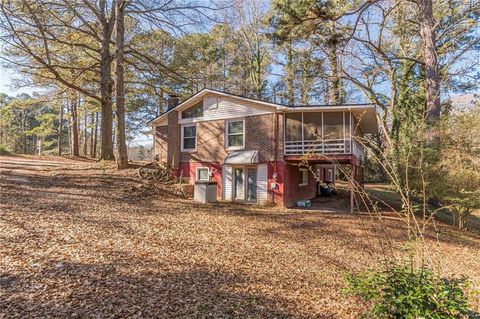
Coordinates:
226	134
181	141
302	170
197	176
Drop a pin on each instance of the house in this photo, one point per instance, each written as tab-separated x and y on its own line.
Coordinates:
254	150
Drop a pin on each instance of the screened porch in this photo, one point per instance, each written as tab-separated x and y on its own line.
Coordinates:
321	132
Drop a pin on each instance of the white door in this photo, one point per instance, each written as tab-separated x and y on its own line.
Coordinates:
227	182
251	185
239	183
262	192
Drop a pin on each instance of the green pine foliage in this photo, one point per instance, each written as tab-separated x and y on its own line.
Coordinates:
24	121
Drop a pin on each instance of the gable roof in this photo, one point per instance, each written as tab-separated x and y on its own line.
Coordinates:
365	112
199	95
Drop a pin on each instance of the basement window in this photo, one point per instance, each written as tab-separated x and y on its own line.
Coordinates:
203	174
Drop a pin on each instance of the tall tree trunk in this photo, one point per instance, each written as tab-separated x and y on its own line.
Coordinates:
334	85
432	80
258	73
69	126
290	75
92	126
24	125
74	125
85	134
121	146
96	136
106	87
60	131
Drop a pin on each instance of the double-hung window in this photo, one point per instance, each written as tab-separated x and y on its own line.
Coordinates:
189	137
235	134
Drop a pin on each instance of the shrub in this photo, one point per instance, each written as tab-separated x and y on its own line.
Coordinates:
4	150
401	292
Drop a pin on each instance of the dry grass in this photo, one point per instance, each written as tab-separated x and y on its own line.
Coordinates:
76	243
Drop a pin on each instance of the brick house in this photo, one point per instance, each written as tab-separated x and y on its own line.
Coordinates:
254	150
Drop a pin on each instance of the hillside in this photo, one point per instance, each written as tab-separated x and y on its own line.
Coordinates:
80	240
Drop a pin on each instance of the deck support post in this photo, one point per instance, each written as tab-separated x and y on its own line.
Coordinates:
352	185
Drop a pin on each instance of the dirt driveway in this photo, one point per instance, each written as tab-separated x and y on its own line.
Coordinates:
79	240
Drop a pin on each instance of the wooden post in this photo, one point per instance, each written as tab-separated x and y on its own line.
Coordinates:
352	194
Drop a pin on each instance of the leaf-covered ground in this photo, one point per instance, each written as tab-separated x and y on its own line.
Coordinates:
78	240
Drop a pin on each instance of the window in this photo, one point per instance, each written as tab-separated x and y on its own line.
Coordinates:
203	174
333	126
330	175
194	111
189	137
303	177
235	134
293	126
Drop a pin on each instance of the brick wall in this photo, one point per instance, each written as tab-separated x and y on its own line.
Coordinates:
211	151
173	153
210	143
280	135
294	192
259	133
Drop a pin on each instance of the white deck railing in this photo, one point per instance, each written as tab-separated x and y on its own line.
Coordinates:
335	146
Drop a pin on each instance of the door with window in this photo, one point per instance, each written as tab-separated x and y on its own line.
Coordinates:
245	184
251	185
239	186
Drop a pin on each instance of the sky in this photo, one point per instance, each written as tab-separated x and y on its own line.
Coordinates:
6	83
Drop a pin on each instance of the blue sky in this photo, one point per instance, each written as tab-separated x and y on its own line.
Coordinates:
6	83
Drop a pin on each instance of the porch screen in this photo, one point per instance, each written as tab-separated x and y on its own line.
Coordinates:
357	129
312	126
333	125
293	125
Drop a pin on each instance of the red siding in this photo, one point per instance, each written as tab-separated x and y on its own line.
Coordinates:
294	192
287	193
276	195
189	170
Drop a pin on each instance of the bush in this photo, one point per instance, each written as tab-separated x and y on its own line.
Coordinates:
401	292
4	150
